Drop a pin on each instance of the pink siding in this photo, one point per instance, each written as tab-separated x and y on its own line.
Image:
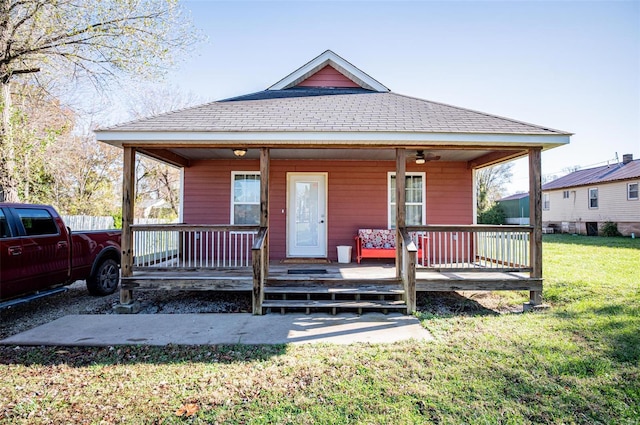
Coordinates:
327	77
357	195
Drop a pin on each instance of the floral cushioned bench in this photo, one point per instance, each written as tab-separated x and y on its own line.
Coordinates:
377	243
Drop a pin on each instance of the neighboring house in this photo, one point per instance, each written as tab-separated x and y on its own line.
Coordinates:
289	173
581	202
516	208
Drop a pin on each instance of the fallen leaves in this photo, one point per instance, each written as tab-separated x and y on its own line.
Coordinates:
187	410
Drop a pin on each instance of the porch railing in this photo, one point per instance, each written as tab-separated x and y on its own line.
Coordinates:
474	248
188	246
260	260
408	271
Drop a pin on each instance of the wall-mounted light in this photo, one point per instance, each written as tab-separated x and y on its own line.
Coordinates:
240	152
420	159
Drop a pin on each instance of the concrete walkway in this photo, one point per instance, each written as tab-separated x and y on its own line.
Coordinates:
213	329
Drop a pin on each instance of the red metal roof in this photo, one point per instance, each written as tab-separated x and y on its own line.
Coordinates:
606	173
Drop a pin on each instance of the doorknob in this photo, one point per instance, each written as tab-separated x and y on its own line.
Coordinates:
321	221
15	250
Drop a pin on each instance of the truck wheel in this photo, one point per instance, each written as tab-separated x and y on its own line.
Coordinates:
105	279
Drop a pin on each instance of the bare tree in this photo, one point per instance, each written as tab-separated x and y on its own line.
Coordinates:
490	183
156	180
85	176
75	39
40	121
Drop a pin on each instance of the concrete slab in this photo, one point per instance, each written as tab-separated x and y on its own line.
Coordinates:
213	329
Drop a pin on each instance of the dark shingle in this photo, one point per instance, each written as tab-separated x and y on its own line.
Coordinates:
331	110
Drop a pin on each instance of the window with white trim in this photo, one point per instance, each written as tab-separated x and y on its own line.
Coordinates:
632	191
415	195
245	197
565	194
593	198
546	202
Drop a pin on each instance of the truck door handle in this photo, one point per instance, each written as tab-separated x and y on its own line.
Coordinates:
15	250
62	244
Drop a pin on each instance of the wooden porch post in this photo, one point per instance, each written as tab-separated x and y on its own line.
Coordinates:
401	169
535	217
264	198
128	200
260	251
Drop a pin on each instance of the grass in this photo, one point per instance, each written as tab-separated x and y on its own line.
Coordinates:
575	363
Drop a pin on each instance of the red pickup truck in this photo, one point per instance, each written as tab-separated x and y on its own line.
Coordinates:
38	253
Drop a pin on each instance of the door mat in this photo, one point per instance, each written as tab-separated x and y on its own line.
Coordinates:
307	271
305	261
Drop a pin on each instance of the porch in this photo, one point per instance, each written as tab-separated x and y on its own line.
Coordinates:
233	258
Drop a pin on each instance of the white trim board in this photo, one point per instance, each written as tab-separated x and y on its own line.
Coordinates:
118	138
341	65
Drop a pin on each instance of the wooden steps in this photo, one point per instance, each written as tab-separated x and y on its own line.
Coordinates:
289	295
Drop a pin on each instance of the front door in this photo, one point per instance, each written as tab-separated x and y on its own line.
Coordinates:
307	217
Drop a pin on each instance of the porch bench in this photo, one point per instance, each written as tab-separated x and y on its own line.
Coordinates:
378	243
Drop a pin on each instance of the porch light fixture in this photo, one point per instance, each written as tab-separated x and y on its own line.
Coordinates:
240	152
420	159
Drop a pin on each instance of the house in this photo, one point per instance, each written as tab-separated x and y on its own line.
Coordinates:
582	201
516	208
274	181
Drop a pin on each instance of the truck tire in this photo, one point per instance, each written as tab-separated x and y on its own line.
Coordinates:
105	279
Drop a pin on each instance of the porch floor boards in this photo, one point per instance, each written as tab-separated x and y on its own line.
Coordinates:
351	277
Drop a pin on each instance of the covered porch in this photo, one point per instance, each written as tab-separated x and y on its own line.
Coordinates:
227	257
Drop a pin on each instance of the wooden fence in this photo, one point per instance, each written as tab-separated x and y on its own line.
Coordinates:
88	222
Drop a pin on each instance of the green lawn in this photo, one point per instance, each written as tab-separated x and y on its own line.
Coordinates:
576	362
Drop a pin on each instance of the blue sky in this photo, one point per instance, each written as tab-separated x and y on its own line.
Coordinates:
569	65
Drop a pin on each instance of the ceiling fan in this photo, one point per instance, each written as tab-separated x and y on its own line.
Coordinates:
421	158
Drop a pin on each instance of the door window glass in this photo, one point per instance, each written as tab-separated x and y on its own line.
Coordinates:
5	232
37	221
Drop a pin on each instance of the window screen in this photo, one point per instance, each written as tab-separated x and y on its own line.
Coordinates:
632	191
245	202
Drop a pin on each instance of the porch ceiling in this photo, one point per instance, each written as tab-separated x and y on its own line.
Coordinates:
475	157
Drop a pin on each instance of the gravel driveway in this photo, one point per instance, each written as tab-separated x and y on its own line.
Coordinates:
77	300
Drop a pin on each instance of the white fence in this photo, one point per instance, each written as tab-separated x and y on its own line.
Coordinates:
474	247
180	246
88	222
94	222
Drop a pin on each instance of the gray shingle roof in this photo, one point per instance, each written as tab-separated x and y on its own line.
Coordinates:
358	111
604	174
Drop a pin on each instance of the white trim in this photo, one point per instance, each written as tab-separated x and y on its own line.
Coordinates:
181	194
341	65
546	201
391	189
118	138
597	198
291	174
474	196
232	203
629	191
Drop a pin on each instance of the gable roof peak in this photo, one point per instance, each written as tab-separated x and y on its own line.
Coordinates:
328	57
